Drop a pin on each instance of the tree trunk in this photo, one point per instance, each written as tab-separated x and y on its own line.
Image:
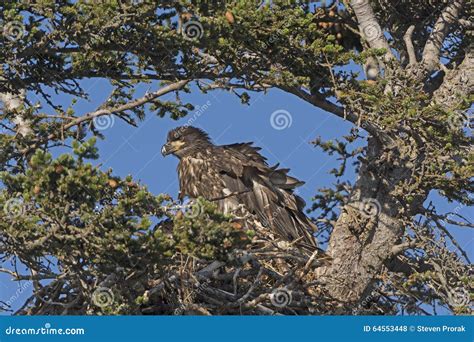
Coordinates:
365	232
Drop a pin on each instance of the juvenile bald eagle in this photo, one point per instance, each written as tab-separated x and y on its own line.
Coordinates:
237	174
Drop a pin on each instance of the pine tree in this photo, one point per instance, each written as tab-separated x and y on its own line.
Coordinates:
93	242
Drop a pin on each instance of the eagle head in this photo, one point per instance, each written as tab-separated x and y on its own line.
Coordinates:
185	140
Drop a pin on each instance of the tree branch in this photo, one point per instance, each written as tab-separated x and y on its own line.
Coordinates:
397	249
451	237
329	107
431	52
370	28
409	44
114	110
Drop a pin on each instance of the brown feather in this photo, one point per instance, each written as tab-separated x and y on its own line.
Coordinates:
214	172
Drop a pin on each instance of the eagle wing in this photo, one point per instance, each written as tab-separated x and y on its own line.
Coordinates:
236	175
266	192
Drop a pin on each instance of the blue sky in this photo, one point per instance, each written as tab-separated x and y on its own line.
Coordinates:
136	151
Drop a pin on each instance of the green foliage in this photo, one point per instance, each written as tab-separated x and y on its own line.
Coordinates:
422	132
75	224
90	224
79	214
86	150
205	233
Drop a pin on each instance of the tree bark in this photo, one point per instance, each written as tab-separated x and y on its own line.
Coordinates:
362	240
457	82
370	28
431	52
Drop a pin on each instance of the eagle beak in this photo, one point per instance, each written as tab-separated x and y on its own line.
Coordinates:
171	147
164	150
